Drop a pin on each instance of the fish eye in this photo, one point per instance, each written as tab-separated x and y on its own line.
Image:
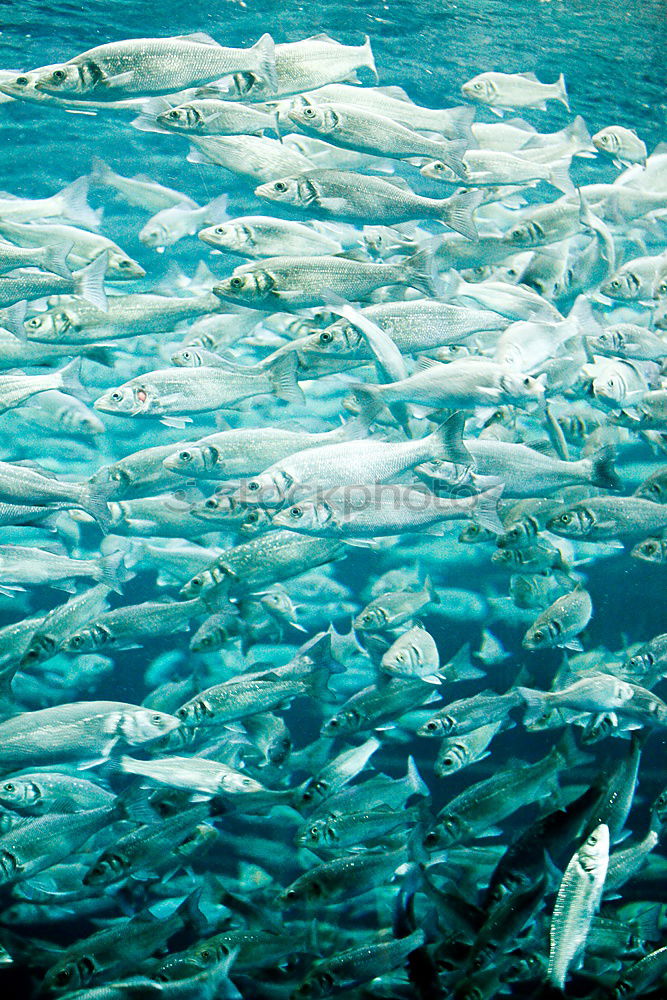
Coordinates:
431	726
116	396
309	112
220	230
296	512
334	723
527	381
34	322
651	547
326	337
205	954
314	831
615	283
156	720
196	581
125	262
431	839
76	641
449	761
182	713
185	456
21	81
62	977
174	114
253	517
280	187
253	485
236	283
566	518
539	635
59	74
9	787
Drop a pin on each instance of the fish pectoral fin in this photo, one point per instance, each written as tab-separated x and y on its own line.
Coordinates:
118	79
573	644
332	204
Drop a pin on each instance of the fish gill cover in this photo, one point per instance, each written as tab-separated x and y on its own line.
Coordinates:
333	500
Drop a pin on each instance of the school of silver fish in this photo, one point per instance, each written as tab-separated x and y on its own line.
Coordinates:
243	752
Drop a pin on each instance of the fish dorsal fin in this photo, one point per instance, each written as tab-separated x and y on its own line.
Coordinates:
529	76
323	37
396	92
198	36
399	182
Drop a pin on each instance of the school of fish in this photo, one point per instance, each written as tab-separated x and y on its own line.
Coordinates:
242	751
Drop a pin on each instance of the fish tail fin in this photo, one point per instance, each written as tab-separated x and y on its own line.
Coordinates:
70	377
460	667
95	501
283	376
447	440
459	121
604	474
14	318
559	176
562	92
55	260
216	210
569	753
414	781
75	204
101	173
266	52
369	58
457	213
422	272
486	508
89	282
113	572
369	401
534	702
451	155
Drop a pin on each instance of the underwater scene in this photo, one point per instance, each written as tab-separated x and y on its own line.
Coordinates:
333	500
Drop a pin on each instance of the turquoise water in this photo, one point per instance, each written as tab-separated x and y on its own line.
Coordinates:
612	57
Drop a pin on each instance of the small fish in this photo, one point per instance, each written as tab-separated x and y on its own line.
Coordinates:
514	90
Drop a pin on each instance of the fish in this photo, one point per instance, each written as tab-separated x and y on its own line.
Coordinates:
514	90
154	65
577	900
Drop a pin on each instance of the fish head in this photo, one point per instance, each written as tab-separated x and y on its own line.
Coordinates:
231	235
47	326
128	399
439	171
538	636
447	831
86	640
119	265
109	867
624	285
70	974
340	338
522	387
251	287
142	725
185	118
480	88
19	792
660	287
24	85
438	725
653	550
322	119
346	721
654	488
309	515
286	190
575	522
318	984
606	141
189	357
610	341
270	489
318	833
155	234
255	522
451	760
234	783
595	849
194	459
63	78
